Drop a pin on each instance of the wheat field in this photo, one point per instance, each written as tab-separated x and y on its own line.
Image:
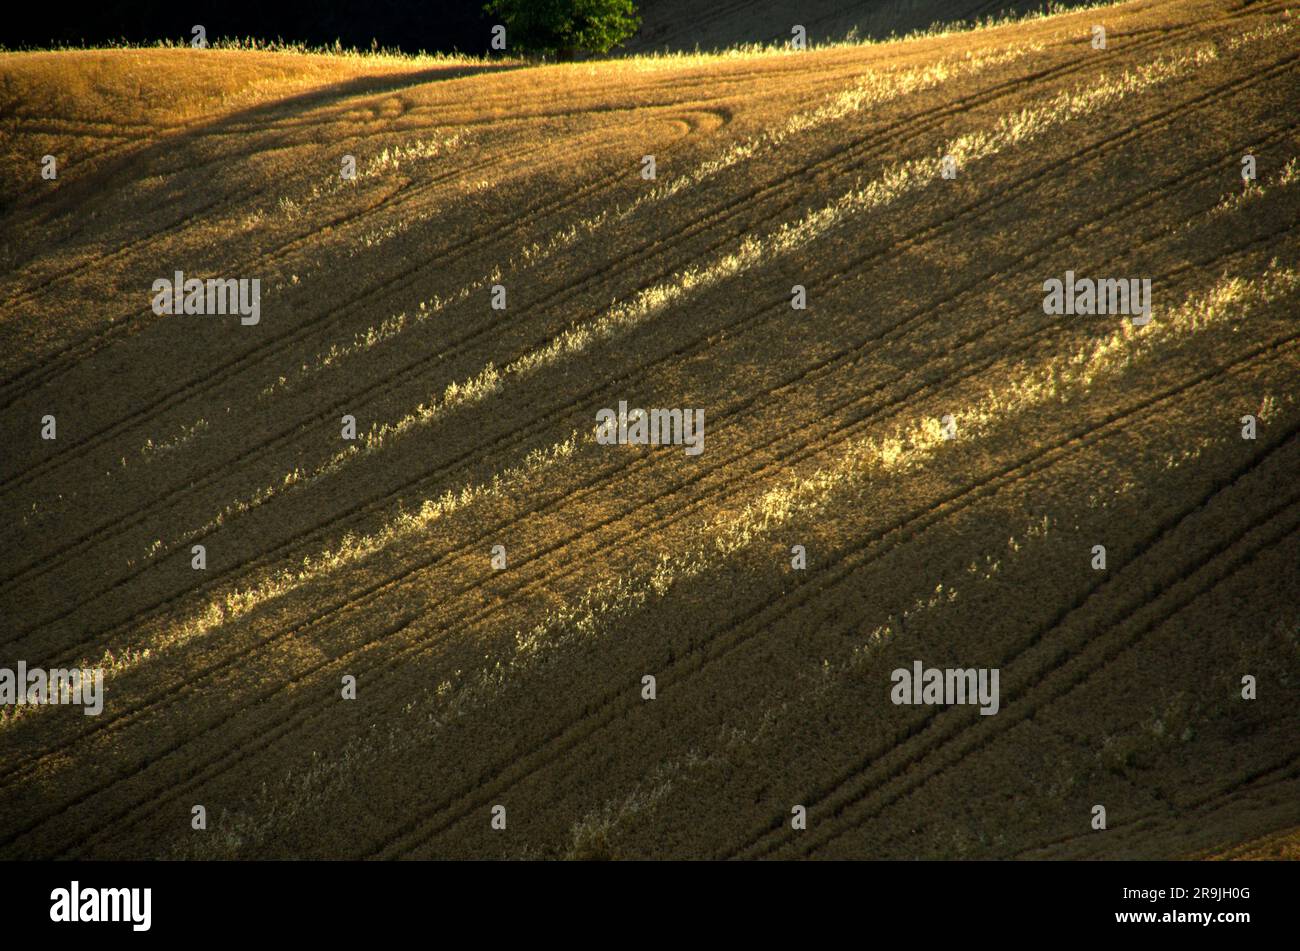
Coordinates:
429	635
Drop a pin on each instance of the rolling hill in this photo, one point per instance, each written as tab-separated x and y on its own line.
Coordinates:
919	465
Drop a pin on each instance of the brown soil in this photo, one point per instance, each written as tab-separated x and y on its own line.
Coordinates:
522	687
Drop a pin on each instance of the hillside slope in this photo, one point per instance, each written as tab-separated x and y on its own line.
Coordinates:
684	26
947	454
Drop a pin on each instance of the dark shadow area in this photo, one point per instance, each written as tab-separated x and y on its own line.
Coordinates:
682	26
461	25
435	26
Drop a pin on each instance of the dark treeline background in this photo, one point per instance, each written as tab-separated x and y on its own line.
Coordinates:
409	25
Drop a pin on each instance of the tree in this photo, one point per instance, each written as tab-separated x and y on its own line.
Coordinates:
560	28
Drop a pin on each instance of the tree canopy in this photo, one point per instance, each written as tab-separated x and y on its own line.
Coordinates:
562	28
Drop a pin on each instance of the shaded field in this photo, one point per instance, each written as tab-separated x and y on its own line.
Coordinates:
521	686
679	25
